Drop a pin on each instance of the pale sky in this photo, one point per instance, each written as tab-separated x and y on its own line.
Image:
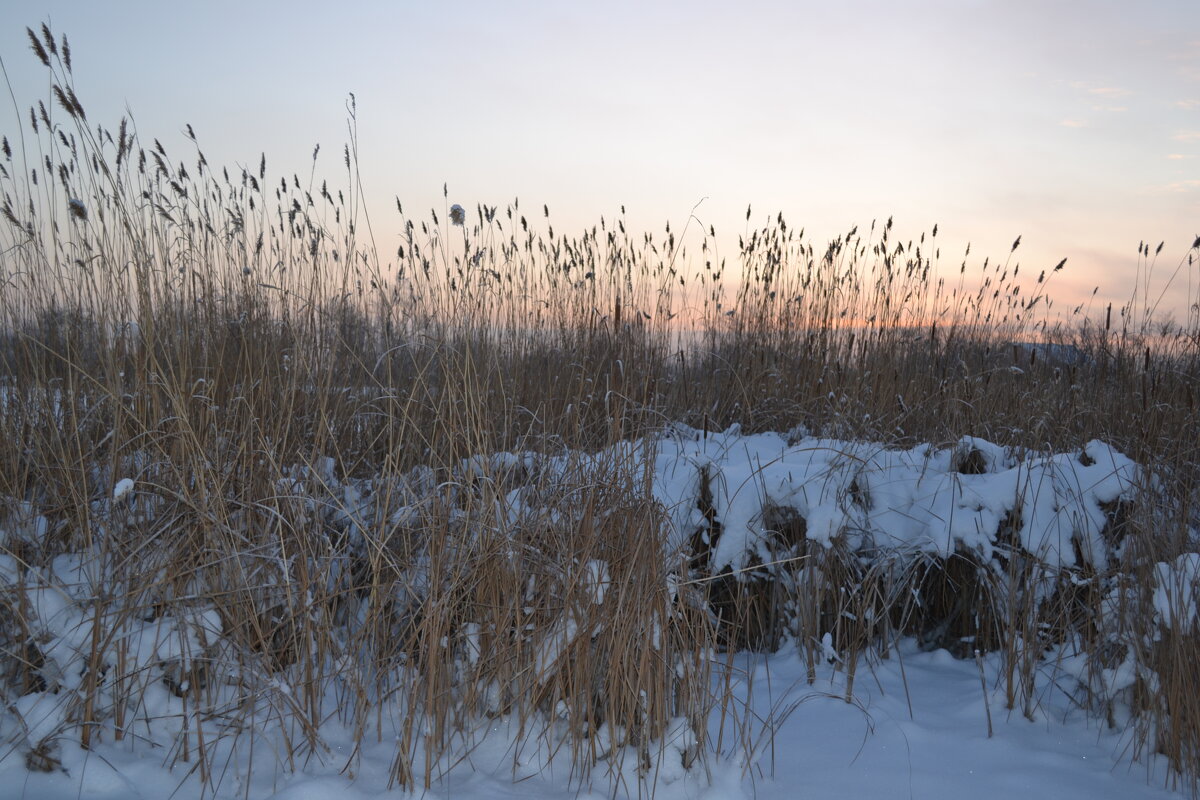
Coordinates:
1073	123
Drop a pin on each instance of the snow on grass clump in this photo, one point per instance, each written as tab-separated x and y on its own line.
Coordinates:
926	499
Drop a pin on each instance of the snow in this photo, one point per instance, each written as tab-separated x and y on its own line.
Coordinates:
873	747
1177	592
41	714
122	488
23	523
596	580
876	497
1053	353
804	741
915	724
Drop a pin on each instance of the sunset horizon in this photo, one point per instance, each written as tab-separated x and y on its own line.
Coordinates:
1074	126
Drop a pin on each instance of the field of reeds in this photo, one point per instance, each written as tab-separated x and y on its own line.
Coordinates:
261	474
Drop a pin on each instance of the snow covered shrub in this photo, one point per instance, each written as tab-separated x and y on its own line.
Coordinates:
514	587
967	548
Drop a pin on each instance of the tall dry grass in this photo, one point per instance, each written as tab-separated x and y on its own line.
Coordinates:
317	520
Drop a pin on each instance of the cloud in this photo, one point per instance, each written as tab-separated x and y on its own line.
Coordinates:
1100	91
1190	186
1073	123
1179	156
1110	108
1186	136
1187	105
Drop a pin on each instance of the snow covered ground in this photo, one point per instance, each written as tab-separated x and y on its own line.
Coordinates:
917	728
915	725
927	737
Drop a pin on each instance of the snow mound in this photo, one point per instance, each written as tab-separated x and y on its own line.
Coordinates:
974	495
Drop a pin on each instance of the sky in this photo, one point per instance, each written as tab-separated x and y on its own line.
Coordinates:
1074	124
